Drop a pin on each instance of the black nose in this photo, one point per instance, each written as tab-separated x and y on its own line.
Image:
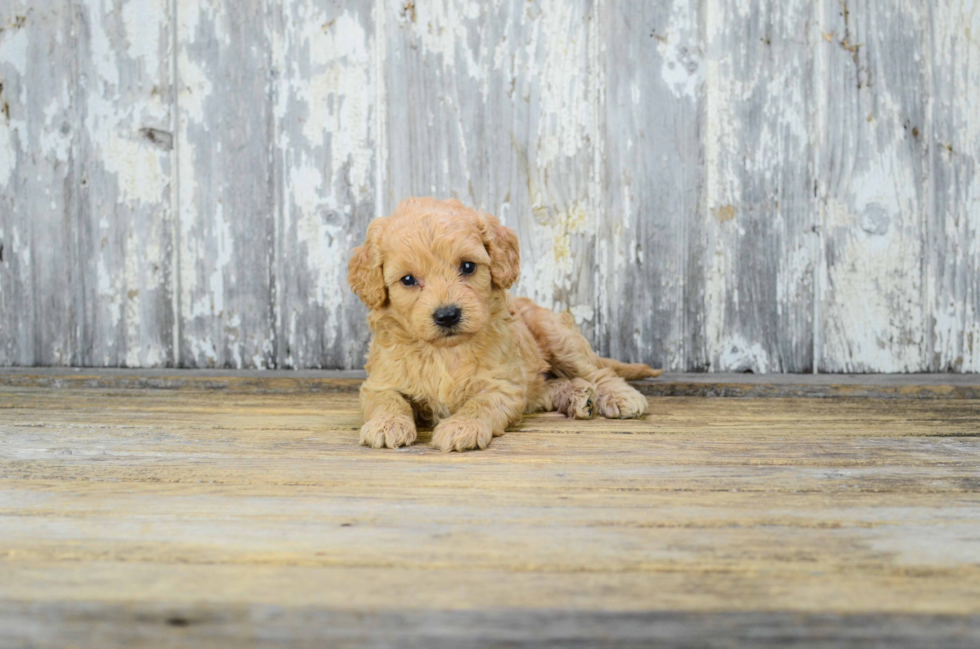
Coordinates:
447	316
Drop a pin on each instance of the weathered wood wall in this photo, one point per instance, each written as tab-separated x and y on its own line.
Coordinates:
766	185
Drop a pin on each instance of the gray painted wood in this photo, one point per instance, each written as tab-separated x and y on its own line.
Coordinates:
650	246
123	161
759	212
225	149
37	185
433	59
720	185
872	172
326	114
954	225
542	144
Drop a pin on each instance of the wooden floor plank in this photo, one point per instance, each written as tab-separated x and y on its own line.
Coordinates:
720	384
210	626
253	516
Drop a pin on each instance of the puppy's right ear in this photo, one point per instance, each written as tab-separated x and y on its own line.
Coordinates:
364	273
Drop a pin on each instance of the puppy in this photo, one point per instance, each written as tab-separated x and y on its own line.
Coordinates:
451	349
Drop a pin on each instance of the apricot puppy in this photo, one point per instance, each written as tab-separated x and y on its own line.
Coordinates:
451	349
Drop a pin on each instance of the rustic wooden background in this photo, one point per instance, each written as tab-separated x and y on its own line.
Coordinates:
766	185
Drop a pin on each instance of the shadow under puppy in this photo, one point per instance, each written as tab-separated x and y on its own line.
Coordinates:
451	349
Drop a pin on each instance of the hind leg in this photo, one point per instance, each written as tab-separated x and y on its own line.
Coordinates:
571	357
575	398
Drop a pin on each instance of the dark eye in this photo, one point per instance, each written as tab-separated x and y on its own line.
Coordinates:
467	268
408	280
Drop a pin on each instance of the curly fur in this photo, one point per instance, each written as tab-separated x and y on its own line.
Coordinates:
506	357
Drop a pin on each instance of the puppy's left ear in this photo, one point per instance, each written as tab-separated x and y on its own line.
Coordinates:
364	272
505	254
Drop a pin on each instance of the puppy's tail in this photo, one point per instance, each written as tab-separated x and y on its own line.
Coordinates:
630	371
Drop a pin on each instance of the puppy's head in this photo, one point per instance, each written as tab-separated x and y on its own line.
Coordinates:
434	268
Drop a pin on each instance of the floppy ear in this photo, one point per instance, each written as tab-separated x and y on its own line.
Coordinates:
505	255
364	274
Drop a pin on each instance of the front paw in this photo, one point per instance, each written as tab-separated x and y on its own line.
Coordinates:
459	434
621	402
389	431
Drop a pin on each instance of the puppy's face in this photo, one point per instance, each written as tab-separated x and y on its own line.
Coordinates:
433	266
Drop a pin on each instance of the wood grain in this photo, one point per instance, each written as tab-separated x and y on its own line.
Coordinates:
209	516
171	625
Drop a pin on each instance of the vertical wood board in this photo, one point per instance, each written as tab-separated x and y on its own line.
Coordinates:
38	187
123	166
434	101
954	225
650	244
326	116
759	209
227	211
543	94
873	171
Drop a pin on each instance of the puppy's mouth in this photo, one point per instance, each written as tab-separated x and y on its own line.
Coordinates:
451	337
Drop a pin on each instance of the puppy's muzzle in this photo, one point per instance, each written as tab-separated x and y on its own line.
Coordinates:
447	317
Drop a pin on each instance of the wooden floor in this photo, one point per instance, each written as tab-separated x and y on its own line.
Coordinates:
248	515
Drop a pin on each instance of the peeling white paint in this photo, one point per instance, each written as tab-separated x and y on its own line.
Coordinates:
104	56
565	120
873	292
225	247
682	66
13	49
190	241
143	34
54	140
889	299
380	108
108	291
324	245
739	355
544	62
137	166
957	343
334	95
195	88
757	198
441	30
327	106
113	125
8	154
865	327
552	253
582	313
